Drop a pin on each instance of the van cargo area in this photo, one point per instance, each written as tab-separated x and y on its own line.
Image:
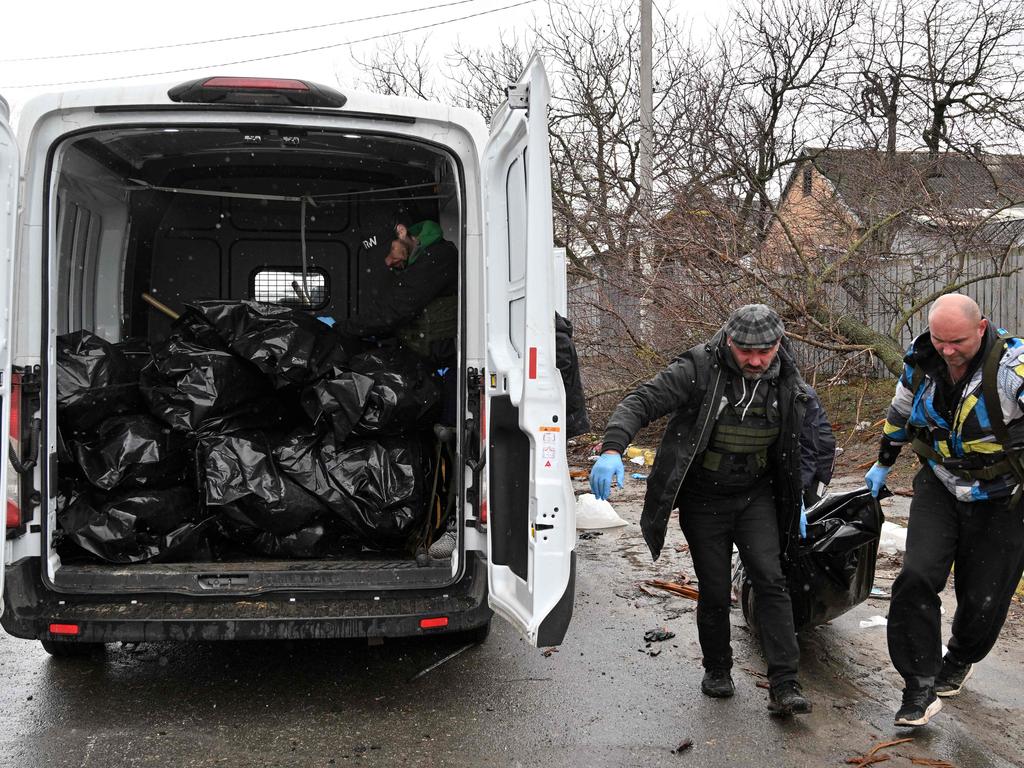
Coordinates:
243	401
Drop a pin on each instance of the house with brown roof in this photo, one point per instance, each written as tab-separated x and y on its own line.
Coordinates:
903	225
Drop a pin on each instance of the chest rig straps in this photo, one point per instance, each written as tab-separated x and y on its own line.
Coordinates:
743	433
1007	461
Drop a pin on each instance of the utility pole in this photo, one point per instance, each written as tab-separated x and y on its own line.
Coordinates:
646	107
645	164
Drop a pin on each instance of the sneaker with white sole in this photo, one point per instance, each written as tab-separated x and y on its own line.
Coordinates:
951	678
919	706
445	545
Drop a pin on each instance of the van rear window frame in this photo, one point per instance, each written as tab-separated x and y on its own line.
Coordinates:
332	112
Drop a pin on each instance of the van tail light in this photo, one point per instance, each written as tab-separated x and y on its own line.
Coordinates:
63	629
435	622
259	91
13	478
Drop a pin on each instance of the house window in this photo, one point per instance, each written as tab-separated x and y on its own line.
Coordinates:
806	179
284	286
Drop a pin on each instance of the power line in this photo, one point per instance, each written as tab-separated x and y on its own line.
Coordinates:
236	37
272	56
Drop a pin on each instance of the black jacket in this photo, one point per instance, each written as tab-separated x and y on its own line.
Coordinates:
397	296
576	420
817	445
691	388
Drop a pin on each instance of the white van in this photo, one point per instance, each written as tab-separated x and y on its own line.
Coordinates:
190	190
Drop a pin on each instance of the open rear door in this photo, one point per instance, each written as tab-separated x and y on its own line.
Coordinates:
8	218
531	521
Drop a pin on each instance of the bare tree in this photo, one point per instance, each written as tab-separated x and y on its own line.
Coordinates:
942	72
398	69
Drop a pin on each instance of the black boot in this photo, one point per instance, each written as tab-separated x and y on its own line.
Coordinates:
717	683
787	699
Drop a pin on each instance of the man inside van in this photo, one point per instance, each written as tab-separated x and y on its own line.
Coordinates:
730	462
416	300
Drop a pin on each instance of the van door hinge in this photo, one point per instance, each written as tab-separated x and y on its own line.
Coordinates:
518	96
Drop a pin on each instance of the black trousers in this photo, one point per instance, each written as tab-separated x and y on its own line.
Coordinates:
749	521
984	543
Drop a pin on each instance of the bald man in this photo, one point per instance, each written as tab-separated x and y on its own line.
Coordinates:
958	404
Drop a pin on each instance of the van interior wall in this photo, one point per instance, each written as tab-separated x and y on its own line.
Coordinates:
190	247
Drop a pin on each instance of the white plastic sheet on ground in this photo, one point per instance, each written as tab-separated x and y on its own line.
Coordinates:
893	539
591	513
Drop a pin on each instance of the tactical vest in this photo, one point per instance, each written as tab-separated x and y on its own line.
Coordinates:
998	459
439	320
737	452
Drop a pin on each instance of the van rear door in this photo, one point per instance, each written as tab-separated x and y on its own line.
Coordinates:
9	180
531	526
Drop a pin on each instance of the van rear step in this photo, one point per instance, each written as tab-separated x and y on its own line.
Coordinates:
32	610
251	577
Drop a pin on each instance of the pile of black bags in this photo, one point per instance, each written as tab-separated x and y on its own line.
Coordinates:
252	428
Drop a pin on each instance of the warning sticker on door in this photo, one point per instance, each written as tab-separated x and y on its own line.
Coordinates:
548	446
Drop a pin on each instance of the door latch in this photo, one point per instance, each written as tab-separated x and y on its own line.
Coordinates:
518	96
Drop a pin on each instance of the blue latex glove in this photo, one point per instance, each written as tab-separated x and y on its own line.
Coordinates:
803	521
875	478
607	467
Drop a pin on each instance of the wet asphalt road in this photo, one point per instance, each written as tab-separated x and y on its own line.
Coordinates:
600	700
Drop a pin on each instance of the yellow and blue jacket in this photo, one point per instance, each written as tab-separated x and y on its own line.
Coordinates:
974	444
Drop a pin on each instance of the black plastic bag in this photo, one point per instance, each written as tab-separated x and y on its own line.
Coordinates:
375	488
833	569
133	451
189	387
143	527
338	401
94	382
290	346
385	392
316	540
242	482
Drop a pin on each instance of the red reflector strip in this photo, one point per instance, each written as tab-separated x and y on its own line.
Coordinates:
13	514
434	623
262	83
15	426
63	629
533	362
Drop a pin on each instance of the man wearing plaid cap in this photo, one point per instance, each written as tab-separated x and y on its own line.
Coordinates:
730	462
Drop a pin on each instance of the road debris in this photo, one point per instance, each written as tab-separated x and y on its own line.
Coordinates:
874	621
871	757
587	535
877	593
658	634
579	474
683	590
684	745
547	652
445	660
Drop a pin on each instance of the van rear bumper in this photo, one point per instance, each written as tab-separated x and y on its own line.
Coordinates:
30	609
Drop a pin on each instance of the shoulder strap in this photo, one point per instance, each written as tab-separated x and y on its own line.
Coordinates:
990	388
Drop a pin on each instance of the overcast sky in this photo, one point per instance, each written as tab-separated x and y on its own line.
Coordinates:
168	34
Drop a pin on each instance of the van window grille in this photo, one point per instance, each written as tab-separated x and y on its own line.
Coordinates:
274	285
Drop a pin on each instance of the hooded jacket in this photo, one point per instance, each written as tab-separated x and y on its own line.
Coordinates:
690	389
398	296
